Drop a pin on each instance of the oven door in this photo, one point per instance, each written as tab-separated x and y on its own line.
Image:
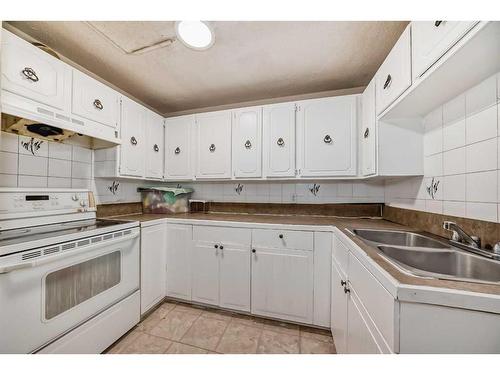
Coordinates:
42	297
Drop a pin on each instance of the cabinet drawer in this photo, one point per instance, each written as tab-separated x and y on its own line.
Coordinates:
432	39
394	76
223	235
377	301
340	255
282	239
94	101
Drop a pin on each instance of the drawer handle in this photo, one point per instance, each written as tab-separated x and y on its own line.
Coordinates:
177	151
437	23
30	74
280	236
388	82
156	148
347	290
280	142
248	145
211	148
343	283
133	140
327	139
98	105
367	133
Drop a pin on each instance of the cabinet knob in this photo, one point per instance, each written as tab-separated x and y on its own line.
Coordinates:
30	74
211	148
327	139
248	145
387	82
133	140
367	133
254	251
156	148
177	151
221	247
216	246
343	283
347	290
280	236
437	23
98	104
280	142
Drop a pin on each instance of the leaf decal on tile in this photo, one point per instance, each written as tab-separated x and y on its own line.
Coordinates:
238	189
315	189
113	188
33	145
433	188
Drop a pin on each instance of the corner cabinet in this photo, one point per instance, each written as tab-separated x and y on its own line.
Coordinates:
154	146
133	147
213	145
179	157
279	140
327	134
247	142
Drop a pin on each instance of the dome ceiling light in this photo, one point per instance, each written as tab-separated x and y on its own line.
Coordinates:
197	35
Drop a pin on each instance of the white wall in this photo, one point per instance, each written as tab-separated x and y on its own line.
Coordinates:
461	148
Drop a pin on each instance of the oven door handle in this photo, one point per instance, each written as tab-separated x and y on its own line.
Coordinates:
40	262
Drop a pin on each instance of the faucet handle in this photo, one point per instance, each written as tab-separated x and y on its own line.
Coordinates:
448	225
477	240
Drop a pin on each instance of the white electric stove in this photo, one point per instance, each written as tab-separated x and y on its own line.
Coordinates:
69	282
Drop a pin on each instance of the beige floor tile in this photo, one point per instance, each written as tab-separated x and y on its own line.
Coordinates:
123	342
313	346
239	339
147	344
190	309
219	315
280	327
164	308
317	334
178	348
150	321
247	320
205	333
278	343
174	325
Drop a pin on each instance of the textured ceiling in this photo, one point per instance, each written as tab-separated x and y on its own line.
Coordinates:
249	60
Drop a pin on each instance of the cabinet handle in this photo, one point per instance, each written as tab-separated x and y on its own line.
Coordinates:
133	140
347	290
221	247
177	151
211	148
280	236
343	283
216	246
327	139
367	133
388	81
437	23
254	251
98	104
156	148
280	142
248	145
30	74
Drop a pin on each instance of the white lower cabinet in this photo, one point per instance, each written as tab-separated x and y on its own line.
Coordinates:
282	284
205	274
234	278
339	309
153	265
179	240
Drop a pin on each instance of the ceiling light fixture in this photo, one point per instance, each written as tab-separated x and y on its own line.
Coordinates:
197	35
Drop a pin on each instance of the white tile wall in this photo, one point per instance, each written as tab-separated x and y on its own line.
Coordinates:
461	144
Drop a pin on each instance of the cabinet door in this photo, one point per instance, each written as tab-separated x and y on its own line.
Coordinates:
34	74
327	134
132	156
279	140
367	132
94	101
154	146
394	75
178	148
338	310
179	242
205	273
213	145
282	284
247	140
432	39
234	278
359	338
153	265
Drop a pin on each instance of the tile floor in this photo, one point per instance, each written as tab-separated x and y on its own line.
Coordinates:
176	328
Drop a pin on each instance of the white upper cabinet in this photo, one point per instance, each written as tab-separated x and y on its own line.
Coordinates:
367	131
279	140
213	145
154	145
179	148
432	39
327	136
133	147
94	101
33	74
247	142
394	75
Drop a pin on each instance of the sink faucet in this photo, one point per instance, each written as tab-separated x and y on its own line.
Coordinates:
460	236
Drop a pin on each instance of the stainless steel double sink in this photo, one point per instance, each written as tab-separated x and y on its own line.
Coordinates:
423	256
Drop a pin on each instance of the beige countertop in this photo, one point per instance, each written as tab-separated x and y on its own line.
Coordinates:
342	224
